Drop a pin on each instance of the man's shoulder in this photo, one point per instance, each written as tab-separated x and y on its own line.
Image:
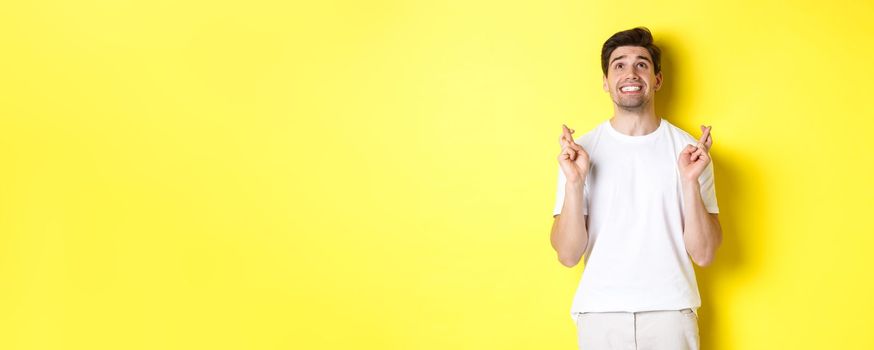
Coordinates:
683	135
586	137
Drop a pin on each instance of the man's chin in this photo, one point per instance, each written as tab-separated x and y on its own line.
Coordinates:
631	105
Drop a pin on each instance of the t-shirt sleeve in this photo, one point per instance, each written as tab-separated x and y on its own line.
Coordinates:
708	189
559	195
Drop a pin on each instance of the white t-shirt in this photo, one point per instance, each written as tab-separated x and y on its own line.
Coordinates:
636	259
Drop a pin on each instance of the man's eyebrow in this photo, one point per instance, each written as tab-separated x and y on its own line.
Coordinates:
623	56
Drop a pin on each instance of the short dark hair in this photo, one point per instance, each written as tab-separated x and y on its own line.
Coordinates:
639	36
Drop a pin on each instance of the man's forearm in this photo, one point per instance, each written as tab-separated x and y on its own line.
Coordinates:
702	233
569	235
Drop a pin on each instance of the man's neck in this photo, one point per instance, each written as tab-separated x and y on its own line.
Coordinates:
635	123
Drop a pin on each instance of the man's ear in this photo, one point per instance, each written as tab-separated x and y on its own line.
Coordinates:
659	79
606	87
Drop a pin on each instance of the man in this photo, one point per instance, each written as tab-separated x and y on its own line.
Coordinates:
635	199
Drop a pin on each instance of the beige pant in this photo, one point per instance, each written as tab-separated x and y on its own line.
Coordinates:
645	330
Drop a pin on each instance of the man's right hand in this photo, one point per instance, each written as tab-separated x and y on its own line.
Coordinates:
574	160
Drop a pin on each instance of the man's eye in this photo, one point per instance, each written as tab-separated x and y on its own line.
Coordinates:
642	65
618	66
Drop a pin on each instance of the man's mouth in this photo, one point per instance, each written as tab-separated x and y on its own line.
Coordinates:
631	89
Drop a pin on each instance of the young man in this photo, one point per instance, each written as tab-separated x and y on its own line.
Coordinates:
636	200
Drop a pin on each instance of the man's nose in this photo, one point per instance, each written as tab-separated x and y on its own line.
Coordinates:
632	77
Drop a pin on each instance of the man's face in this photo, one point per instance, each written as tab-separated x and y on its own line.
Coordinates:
631	78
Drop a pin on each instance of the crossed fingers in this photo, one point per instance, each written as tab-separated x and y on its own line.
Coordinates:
568	140
706	140
703	145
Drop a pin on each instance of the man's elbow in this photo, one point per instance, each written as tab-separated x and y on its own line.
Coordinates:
568	261
705	257
704	260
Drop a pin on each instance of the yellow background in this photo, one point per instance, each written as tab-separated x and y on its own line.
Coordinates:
381	174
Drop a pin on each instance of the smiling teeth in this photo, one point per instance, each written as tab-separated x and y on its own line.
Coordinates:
631	88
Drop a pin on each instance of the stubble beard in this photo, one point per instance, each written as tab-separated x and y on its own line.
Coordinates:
630	103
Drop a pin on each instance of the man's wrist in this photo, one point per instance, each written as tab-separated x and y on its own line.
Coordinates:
575	185
690	185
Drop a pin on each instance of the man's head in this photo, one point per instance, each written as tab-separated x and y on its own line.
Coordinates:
631	61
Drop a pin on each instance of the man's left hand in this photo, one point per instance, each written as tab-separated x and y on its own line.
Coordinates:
694	158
